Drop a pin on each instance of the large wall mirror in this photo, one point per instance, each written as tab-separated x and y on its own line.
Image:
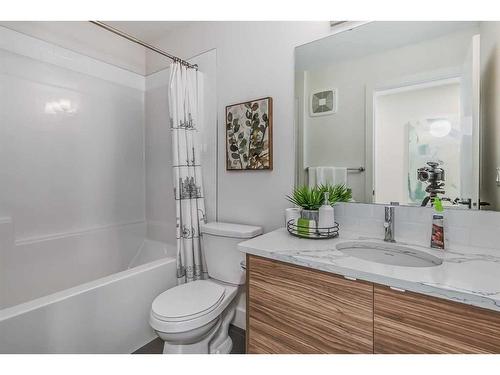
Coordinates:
402	112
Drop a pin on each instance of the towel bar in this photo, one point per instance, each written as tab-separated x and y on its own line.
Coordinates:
358	169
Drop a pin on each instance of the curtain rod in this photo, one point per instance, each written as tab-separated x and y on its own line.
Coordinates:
144	44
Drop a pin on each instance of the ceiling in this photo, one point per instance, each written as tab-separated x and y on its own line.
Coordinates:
88	39
372	38
148	31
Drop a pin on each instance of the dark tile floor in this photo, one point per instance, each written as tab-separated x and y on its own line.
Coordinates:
239	339
236	334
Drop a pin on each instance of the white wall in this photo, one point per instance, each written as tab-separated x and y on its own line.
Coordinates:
67	172
254	59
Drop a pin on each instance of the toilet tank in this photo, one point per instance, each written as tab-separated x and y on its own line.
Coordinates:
220	246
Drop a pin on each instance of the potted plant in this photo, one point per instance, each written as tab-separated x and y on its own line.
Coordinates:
310	199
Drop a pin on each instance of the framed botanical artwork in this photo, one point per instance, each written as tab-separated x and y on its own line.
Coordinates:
249	135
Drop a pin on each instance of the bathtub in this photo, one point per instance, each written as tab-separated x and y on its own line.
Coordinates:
86	292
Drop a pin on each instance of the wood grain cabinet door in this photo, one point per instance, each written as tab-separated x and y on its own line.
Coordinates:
292	309
406	322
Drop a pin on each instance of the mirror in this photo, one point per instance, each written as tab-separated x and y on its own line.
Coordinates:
392	110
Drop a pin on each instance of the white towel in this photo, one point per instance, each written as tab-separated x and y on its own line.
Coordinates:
327	175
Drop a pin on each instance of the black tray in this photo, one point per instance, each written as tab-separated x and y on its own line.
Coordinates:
312	233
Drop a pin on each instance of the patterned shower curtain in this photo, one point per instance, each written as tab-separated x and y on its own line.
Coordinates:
188	188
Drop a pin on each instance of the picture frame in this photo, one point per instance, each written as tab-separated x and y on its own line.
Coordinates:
249	135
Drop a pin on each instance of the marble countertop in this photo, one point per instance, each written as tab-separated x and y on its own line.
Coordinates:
467	275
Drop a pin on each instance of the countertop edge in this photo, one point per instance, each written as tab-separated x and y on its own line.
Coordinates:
410	286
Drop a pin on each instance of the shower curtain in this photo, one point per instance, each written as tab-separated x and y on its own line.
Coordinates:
188	188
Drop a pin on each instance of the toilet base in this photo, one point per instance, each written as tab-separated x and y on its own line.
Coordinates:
225	347
199	347
216	341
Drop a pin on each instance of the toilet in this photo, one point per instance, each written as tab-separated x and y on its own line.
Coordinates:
195	317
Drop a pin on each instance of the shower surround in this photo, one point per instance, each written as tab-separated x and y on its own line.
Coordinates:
86	240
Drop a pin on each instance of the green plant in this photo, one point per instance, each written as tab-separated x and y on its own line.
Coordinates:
308	199
312	198
337	193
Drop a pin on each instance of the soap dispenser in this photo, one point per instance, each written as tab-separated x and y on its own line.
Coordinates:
437	236
326	215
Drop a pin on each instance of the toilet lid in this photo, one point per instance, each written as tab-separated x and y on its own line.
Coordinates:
188	301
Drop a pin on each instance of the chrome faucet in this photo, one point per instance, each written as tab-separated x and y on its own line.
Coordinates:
389	224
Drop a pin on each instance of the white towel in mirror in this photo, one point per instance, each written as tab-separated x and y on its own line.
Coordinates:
327	175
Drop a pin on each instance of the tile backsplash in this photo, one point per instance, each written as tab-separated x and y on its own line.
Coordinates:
413	224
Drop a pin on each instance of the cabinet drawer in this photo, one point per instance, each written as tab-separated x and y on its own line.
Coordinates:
291	309
406	322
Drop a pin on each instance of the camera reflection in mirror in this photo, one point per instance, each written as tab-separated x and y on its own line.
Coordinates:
433	176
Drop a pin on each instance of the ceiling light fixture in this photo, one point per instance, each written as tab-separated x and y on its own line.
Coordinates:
440	128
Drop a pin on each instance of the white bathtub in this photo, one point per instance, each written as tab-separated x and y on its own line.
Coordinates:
81	293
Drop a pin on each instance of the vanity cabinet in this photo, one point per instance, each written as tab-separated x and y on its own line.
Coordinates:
292	309
406	322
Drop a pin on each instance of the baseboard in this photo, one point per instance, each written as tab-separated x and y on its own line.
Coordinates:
240	318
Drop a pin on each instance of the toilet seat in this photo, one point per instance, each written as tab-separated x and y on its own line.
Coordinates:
216	298
187	301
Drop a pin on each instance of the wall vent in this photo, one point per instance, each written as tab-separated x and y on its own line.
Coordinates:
323	102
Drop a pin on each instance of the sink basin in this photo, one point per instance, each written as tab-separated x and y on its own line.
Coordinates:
392	254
